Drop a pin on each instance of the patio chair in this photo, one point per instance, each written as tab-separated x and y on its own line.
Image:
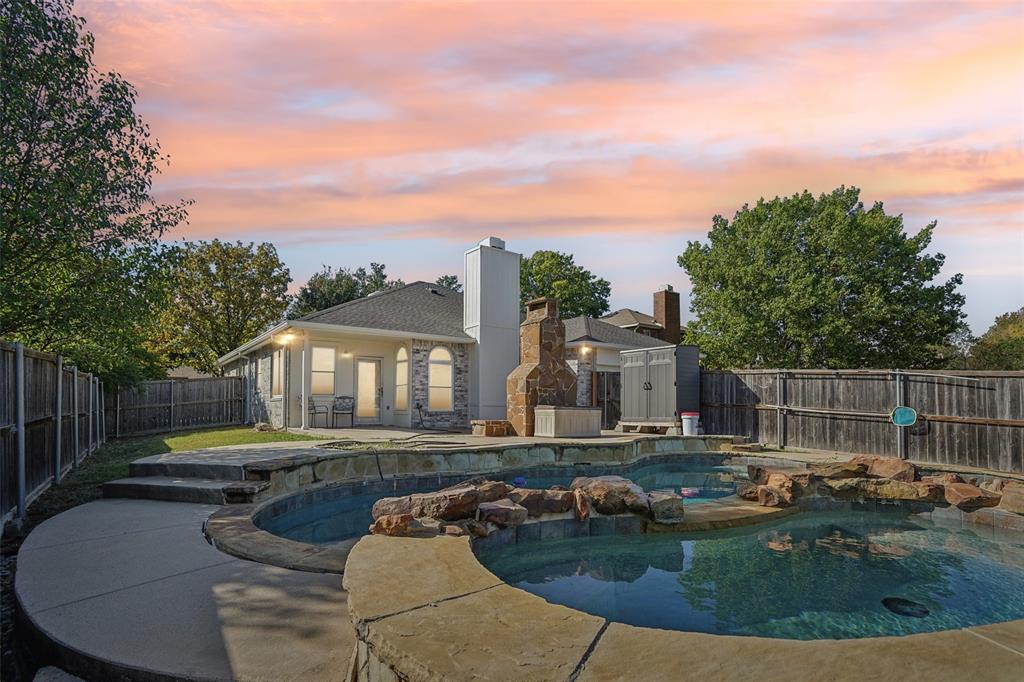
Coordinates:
314	409
343	404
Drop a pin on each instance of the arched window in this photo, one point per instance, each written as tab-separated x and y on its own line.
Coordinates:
440	381
402	380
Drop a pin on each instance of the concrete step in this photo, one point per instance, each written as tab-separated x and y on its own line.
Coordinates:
159	467
173	489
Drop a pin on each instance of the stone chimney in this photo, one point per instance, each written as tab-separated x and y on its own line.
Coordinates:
542	377
666	313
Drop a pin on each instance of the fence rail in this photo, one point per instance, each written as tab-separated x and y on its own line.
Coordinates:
175	405
965	418
50	420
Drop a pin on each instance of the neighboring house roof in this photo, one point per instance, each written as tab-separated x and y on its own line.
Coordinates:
627	317
186	372
581	329
420	308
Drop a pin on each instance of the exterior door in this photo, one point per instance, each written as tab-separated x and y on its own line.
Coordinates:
634	381
661	378
608	397
368	391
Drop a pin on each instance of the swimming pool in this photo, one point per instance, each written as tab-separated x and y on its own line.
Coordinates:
341	513
812	576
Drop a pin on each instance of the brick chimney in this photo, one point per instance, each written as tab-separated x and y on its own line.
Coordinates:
666	313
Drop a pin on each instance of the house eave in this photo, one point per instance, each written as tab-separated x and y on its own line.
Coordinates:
267	336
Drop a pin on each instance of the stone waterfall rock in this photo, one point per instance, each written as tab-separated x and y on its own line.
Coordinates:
1013	498
580	505
887	467
613	494
448	505
666	507
404	526
969	497
835	470
502	513
539	502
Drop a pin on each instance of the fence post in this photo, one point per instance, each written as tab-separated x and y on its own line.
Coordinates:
117	414
58	420
89	417
901	449
75	408
103	414
170	408
780	402
19	418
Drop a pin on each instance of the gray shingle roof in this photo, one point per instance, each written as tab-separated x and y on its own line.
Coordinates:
419	308
627	317
597	331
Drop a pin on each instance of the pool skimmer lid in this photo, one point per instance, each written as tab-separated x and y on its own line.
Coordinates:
905	607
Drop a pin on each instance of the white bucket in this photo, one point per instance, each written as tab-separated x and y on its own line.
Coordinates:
689	420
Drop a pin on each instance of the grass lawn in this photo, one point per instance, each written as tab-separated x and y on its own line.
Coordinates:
111	461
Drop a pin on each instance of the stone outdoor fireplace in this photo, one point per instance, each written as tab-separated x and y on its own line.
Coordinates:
542	377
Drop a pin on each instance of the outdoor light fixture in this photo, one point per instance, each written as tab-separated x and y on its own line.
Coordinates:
346	354
585	349
285	339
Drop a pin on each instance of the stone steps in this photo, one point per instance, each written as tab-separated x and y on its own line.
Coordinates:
181	489
191	469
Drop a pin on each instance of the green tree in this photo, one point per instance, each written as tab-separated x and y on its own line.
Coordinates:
224	294
1002	346
819	282
449	282
81	265
329	288
555	274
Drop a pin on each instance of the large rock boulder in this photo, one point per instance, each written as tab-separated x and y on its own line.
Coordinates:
769	496
942	479
1012	499
613	494
747	490
666	507
580	505
490	491
969	497
539	502
836	470
887	467
450	504
873	489
404	526
927	491
503	513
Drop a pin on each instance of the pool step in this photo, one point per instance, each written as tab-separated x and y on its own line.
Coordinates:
175	489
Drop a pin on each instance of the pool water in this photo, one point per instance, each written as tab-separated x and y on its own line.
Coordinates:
812	576
348	516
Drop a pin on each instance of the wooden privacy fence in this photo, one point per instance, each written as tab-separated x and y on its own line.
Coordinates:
965	418
50	419
175	405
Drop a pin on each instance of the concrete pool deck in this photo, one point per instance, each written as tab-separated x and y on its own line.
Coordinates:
457	620
131	588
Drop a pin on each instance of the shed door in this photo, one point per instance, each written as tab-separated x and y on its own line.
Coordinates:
661	377
634	377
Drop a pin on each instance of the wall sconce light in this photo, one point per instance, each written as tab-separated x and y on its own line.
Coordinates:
346	354
585	349
285	339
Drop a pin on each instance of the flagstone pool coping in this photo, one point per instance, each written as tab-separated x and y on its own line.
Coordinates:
426	609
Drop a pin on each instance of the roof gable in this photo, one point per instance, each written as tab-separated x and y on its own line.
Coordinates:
627	317
418	308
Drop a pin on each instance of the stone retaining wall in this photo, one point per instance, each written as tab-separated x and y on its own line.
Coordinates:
289	474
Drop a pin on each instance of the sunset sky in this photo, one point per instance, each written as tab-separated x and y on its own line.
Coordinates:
403	133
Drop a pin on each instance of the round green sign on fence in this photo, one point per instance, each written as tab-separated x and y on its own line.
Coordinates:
903	416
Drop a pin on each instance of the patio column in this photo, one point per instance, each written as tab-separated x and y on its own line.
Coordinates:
305	381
